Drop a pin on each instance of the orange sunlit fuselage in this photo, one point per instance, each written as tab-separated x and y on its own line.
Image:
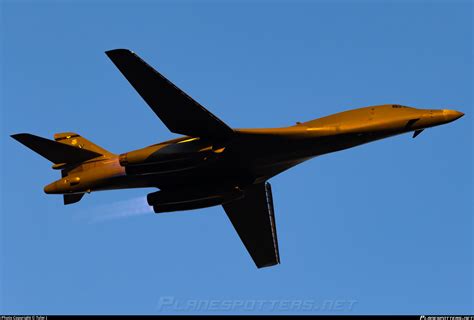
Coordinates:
253	155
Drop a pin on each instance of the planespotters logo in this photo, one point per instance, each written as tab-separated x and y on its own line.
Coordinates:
172	304
446	318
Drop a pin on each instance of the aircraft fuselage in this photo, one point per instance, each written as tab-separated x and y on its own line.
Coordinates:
253	155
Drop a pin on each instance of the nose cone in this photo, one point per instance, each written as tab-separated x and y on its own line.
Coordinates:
51	188
451	115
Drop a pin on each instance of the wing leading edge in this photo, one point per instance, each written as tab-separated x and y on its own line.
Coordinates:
254	220
178	111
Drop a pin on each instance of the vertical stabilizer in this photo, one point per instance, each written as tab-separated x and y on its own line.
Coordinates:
75	140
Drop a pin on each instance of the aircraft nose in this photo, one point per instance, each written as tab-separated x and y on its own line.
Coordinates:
451	115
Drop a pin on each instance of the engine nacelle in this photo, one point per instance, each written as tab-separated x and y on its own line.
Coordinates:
166	201
180	155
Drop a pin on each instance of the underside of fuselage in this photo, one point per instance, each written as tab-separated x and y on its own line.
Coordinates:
240	163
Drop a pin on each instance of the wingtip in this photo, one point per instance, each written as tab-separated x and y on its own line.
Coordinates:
269	264
18	136
118	51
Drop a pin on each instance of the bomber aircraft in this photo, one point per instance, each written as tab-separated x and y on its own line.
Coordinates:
212	163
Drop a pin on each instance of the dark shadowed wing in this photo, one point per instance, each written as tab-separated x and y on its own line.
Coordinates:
254	221
178	111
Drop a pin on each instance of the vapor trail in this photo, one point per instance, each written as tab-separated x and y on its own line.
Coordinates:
133	207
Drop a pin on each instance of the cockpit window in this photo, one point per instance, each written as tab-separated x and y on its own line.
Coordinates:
398	106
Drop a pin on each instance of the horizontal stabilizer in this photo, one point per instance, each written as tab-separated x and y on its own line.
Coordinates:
55	152
178	111
72	198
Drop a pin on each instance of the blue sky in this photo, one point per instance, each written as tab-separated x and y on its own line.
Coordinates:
383	228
